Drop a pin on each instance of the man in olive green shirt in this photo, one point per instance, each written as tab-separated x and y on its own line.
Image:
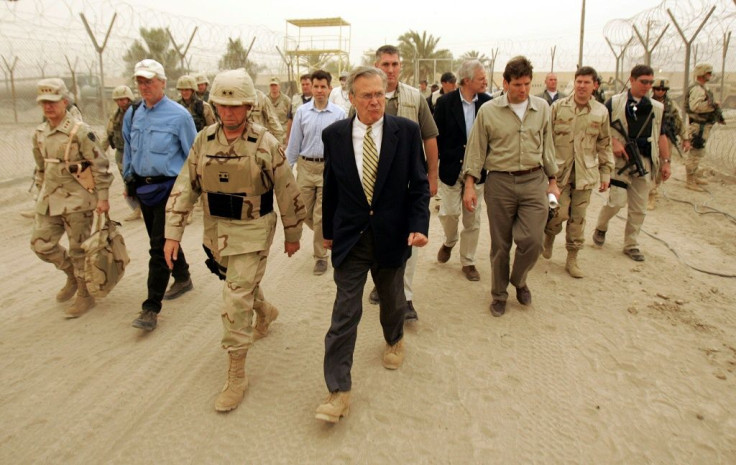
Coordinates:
512	140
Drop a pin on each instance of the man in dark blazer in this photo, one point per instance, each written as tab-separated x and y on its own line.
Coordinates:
454	114
373	212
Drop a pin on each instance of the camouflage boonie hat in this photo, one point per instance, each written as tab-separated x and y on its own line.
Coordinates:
661	83
51	90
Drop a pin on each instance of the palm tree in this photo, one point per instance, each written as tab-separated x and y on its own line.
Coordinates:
421	59
475	55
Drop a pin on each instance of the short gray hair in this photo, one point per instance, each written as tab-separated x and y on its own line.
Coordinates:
467	70
365	71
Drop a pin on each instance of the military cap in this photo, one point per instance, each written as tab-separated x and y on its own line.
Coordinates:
51	90
661	83
149	69
274	80
701	69
122	92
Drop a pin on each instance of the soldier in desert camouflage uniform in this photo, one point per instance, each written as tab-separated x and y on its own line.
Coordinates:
672	121
237	167
123	97
63	205
703	112
264	114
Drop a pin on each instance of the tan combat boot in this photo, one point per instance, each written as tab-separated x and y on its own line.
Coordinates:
692	183
265	315
234	389
549	242
70	288
335	406
82	303
571	266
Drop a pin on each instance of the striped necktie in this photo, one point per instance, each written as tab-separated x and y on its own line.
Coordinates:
370	164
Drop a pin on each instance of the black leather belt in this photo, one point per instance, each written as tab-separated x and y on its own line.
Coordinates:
318	160
521	172
151	179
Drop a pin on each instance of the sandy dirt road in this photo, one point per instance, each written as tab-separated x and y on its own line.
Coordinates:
634	364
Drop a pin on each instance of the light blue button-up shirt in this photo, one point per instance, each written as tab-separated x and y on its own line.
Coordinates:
306	130
468	112
158	141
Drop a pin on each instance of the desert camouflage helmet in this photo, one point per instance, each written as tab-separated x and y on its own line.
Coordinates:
202	79
233	87
661	83
701	69
186	82
122	92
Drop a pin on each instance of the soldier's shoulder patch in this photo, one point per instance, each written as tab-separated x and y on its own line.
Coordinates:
91	136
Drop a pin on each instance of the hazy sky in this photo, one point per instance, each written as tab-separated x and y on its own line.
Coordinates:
460	27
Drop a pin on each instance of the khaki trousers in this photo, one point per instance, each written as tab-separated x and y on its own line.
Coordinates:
694	156
241	293
636	196
310	179
451	207
47	232
573	207
517	213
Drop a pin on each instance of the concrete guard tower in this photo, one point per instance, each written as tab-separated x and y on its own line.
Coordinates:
315	42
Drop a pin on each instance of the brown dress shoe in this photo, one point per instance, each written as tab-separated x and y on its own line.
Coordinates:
444	254
524	295
471	273
498	307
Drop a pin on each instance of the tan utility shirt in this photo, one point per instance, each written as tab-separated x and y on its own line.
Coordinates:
60	192
267	170
281	105
500	141
582	143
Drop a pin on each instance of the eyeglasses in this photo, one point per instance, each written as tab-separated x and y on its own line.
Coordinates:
647	82
144	82
369	97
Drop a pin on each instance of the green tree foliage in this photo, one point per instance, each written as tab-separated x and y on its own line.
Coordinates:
236	57
475	55
155	45
416	48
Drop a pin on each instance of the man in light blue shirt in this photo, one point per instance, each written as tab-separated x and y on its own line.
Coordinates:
158	135
306	147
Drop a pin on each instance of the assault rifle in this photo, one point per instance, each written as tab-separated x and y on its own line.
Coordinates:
669	131
634	164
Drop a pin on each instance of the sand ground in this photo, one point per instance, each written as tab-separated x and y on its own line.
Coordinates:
634	364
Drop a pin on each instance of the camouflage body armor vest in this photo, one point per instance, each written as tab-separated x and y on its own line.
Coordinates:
234	184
